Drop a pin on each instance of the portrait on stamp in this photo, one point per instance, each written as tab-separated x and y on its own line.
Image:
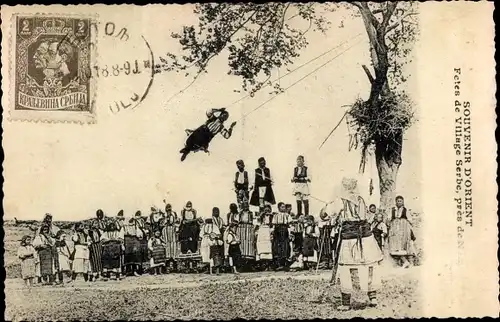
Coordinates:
50	69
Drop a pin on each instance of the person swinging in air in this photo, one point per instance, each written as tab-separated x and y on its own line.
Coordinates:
200	138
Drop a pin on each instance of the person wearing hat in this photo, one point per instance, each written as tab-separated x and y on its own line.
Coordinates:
262	193
169	234
27	254
358	250
241	183
202	136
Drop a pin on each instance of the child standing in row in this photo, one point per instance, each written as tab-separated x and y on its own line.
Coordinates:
27	255
156	248
310	246
379	230
232	247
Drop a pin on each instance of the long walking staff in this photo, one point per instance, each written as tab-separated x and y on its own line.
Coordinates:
320	250
333	280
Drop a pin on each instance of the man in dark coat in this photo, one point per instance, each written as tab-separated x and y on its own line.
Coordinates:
263	192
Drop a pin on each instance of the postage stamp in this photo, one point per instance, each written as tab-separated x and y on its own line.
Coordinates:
52	56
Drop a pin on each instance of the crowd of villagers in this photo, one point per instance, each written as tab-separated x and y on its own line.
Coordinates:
243	240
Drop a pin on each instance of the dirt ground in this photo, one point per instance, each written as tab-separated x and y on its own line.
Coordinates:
291	295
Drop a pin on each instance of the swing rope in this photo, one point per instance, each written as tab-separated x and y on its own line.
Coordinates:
331	132
267	84
302	78
296	69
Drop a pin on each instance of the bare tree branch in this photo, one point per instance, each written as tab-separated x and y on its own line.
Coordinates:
215	53
401	21
368	74
357	4
366	11
283	18
391	7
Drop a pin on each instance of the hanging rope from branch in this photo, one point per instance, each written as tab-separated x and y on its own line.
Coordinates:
302	78
298	67
331	132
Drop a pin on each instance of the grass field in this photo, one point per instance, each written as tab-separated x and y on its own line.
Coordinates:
290	295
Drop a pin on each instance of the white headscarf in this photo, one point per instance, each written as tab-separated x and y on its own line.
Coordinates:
349	189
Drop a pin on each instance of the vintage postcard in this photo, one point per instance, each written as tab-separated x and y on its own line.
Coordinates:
260	161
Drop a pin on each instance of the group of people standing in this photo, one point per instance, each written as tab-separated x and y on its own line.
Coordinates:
348	234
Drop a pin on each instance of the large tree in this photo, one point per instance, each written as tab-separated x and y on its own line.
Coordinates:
260	38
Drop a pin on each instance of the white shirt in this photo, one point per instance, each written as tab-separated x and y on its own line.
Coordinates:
241	177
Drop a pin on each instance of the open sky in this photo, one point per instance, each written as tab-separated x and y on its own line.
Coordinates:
130	160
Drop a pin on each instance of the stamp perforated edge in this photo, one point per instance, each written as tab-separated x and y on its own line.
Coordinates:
47	116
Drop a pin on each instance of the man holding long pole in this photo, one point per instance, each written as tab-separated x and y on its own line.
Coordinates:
356	248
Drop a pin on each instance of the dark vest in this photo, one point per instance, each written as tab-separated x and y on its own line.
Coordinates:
170	219
403	213
261	182
300	176
243	185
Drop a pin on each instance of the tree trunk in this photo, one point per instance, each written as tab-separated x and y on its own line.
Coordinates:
388	160
387	150
387	176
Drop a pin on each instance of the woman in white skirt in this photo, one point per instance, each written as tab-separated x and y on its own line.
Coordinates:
81	261
205	241
64	252
264	245
301	179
